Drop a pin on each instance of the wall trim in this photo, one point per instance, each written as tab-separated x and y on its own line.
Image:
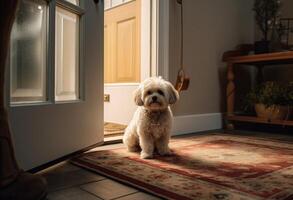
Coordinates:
196	123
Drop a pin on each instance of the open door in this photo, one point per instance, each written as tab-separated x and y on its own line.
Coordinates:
56	79
127	31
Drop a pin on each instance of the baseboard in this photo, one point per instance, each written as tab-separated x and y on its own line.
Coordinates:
196	123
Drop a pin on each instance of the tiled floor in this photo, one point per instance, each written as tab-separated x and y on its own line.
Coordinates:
69	182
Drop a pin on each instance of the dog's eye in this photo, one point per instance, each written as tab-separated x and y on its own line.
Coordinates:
149	92
161	92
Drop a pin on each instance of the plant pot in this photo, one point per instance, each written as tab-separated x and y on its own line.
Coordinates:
272	112
261	47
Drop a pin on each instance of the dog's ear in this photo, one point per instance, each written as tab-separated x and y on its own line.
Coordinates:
138	97
173	94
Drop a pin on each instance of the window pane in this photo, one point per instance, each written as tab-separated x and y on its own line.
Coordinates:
116	2
28	53
66	56
107	4
75	2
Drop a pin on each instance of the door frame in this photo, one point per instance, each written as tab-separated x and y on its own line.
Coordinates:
155	50
160	12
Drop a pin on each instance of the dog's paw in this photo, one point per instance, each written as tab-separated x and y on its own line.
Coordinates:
133	149
144	155
167	152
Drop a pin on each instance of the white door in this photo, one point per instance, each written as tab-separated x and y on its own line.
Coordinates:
56	79
127	57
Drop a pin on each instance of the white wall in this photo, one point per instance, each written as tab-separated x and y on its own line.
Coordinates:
211	28
287	8
121	107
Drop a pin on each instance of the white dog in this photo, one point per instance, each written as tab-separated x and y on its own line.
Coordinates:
151	124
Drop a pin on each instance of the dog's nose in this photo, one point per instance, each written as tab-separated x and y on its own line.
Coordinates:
154	98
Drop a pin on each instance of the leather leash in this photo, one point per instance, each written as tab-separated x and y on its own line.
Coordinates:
182	81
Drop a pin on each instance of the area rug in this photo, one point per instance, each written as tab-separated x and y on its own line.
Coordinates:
113	129
215	166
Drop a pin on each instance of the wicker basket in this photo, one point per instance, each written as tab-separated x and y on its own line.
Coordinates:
272	112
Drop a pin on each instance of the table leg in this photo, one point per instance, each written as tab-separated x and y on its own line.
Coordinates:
230	93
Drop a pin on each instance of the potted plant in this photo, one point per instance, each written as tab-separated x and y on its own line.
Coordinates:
266	14
272	100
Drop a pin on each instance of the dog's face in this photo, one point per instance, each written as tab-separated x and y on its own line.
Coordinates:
155	94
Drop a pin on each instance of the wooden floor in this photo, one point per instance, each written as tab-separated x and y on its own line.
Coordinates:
69	182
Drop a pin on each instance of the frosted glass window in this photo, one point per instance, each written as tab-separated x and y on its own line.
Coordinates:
66	55
28	53
75	2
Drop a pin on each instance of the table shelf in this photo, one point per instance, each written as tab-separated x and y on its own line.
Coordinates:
254	119
265	59
232	58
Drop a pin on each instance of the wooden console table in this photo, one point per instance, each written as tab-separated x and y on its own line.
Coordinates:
259	60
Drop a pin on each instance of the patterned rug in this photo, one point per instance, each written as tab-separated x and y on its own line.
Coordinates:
205	167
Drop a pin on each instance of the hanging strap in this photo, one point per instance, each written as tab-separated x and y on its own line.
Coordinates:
182	35
182	81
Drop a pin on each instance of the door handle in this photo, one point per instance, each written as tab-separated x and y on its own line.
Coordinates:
96	1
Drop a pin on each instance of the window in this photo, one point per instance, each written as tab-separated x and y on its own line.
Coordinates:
28	53
66	56
33	50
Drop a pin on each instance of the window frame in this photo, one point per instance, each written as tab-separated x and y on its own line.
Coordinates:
50	56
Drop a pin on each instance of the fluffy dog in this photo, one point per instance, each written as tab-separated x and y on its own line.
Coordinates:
151	124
